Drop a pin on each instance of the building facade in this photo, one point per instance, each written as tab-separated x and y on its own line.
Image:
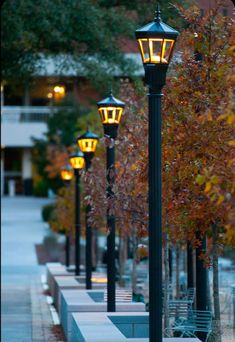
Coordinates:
24	114
25	109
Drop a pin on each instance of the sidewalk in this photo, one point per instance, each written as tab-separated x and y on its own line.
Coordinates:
25	313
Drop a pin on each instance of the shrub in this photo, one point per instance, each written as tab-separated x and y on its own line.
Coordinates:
40	189
47	212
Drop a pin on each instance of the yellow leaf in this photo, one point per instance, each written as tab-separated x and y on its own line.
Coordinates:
231	162
208	187
209	116
213	197
133	167
220	199
200	179
214	179
232	49
231	119
222	117
231	143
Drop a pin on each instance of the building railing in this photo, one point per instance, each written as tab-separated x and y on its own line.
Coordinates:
22	114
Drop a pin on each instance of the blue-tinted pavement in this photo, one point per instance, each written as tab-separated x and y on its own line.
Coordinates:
22	228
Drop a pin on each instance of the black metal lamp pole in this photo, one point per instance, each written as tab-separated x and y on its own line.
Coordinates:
77	161
88	249
201	277
67	175
155	215
110	110
67	251
156	41
87	143
111	268
190	266
77	222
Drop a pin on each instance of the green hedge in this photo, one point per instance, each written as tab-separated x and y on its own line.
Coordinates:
40	189
47	212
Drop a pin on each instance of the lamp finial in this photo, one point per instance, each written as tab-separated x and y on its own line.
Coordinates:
157	14
111	92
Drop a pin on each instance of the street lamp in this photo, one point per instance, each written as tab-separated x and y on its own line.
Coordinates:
87	143
110	110
77	161
156	41
66	174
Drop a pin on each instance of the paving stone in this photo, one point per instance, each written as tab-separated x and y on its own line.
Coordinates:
26	315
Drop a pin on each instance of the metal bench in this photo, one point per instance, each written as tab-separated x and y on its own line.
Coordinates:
198	321
179	309
190	294
120	295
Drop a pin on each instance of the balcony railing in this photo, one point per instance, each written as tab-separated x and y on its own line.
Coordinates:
22	114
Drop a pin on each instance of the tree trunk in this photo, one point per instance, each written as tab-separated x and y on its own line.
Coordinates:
94	243
166	283
190	266
170	264
122	259
177	250
134	271
217	325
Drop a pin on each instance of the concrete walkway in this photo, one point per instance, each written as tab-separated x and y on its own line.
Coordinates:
25	313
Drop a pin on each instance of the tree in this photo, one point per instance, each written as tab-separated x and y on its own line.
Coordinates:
196	141
85	34
198	153
51	153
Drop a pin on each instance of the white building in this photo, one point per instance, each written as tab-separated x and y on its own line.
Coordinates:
24	113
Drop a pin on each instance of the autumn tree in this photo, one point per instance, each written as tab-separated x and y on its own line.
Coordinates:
198	148
196	140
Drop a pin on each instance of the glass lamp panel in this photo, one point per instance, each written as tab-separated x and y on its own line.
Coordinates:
166	50
102	114
66	174
111	115
87	145
144	49
94	144
155	48
119	114
77	162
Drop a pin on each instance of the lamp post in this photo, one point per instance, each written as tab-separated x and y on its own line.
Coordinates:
156	41
87	143
110	110
66	174
190	266
77	161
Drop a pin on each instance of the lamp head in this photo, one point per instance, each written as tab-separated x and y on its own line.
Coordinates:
66	173
110	110
87	142
77	160
156	42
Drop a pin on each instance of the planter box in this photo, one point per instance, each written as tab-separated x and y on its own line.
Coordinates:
58	270
53	268
88	301
51	273
71	283
115	327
